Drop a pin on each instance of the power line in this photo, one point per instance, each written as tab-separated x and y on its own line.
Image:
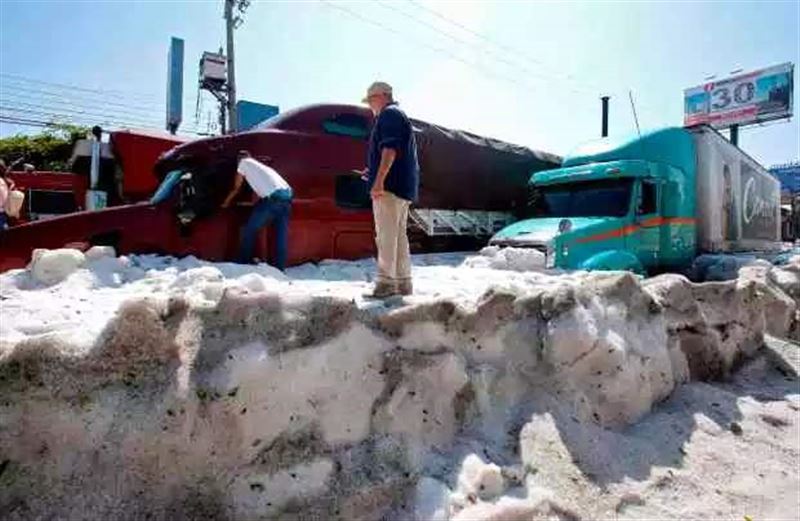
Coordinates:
83	112
482	48
26	122
434	48
38	123
64	93
81	118
490	41
104	120
595	88
148	97
58	99
71	107
20	99
54	120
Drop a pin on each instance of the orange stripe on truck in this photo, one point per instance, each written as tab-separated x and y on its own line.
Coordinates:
629	229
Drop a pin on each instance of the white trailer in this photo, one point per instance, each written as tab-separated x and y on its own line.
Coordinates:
738	200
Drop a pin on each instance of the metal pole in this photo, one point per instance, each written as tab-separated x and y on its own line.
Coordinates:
735	135
229	22
95	199
635	116
604	128
94	166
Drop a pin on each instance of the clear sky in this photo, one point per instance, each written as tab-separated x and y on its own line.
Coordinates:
533	76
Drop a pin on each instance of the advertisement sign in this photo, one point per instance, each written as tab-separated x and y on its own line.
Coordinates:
759	204
743	99
175	84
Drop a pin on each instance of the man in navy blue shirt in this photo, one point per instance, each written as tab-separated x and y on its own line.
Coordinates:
393	177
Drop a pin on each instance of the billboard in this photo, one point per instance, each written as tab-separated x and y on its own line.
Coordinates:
753	97
249	114
175	84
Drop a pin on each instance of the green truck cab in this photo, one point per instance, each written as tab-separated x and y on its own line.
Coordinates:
649	203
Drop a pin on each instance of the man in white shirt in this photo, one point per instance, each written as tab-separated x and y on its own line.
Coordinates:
274	205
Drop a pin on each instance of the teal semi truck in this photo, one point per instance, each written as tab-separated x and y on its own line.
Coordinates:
649	203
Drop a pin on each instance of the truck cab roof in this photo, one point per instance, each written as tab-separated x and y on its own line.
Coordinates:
595	171
672	145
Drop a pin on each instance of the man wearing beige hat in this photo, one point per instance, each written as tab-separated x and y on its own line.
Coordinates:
393	178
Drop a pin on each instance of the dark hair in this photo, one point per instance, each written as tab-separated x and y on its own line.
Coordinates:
3	168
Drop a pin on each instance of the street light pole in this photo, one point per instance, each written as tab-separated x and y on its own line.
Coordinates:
231	68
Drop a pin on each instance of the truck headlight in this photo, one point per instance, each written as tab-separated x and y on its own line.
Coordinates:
550	256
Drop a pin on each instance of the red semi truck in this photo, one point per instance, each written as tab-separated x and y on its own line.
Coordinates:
127	162
470	187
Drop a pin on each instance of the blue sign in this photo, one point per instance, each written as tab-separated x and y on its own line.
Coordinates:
175	84
249	114
789	176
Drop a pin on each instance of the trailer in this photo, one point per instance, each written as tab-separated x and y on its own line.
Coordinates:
738	200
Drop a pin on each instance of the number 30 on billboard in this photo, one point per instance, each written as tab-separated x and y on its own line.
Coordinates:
743	99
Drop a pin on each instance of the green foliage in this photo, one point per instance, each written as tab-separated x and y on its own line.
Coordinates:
48	150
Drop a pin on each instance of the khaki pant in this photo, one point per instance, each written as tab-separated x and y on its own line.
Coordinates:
394	255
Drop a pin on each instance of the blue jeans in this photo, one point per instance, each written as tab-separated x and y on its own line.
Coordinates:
3	221
273	209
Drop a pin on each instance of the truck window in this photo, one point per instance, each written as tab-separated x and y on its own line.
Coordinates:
351	125
649	200
603	198
352	192
51	202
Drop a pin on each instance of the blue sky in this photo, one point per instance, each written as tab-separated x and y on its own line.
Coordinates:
533	77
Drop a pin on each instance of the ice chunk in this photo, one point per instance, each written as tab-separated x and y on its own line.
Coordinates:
485	480
53	266
98	252
512	259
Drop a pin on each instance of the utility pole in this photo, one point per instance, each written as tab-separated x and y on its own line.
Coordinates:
230	22
735	135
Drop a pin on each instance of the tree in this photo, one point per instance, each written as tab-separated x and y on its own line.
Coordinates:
47	150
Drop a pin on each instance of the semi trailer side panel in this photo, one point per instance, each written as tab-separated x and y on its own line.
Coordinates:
738	201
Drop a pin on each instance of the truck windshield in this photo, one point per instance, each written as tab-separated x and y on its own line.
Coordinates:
603	198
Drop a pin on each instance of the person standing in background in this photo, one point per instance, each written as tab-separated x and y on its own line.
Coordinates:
393	179
6	185
274	205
